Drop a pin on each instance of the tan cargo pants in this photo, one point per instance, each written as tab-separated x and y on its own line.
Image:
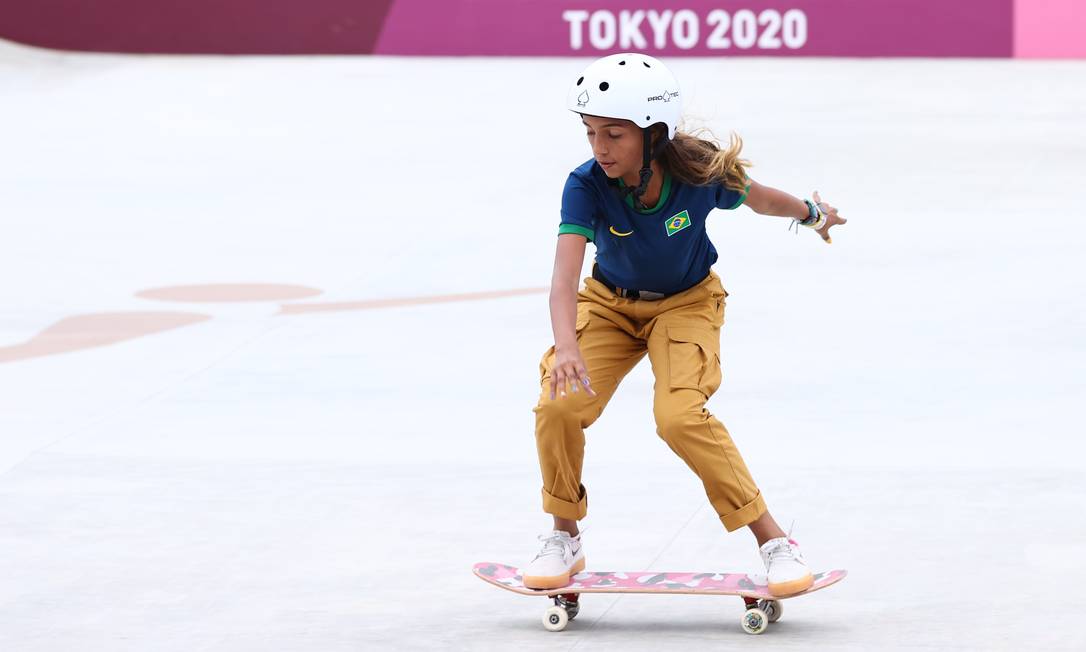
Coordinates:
681	335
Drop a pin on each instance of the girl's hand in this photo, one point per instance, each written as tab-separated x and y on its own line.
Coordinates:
832	218
569	368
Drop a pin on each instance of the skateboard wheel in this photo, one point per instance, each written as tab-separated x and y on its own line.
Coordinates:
772	608
555	619
755	621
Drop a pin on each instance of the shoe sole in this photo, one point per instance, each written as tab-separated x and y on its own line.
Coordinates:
555	581
790	588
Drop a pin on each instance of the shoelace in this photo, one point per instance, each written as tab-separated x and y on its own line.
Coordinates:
781	551
784	550
552	545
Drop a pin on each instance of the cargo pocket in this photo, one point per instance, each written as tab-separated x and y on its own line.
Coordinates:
582	321
720	300
694	359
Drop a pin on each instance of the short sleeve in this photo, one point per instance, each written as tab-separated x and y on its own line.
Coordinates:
729	199
578	208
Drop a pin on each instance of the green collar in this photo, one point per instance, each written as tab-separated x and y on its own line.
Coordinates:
665	192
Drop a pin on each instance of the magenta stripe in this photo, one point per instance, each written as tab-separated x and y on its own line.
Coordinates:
197	26
975	28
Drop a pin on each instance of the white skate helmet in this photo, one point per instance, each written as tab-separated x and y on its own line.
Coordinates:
629	86
634	87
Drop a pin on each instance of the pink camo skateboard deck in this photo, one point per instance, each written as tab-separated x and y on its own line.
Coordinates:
762	607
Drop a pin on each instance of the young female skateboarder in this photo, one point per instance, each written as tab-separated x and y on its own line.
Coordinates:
642	199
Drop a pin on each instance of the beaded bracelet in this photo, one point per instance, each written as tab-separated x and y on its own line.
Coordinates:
816	219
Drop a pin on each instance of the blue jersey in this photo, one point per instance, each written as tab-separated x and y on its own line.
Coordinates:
662	249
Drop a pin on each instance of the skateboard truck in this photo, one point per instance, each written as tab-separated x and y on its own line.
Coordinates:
569	602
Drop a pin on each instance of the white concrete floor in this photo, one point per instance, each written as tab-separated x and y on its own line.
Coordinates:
909	396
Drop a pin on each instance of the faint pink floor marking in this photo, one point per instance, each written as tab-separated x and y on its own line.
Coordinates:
97	329
332	306
101	329
229	292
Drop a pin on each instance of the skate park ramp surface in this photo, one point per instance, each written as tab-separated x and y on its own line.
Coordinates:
272	327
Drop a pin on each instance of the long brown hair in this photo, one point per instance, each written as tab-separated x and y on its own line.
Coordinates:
697	159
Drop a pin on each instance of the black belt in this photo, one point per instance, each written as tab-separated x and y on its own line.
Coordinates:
644	295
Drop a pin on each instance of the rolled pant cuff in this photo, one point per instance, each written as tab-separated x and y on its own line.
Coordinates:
745	515
565	509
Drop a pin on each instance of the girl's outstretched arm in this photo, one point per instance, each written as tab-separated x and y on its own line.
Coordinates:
770	201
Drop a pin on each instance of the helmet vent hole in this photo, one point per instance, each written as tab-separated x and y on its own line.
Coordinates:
622	63
604	86
648	117
580	80
646	64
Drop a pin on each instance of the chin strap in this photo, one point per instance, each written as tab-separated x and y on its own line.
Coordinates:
645	173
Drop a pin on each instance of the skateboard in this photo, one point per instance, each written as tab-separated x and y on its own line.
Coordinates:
762	608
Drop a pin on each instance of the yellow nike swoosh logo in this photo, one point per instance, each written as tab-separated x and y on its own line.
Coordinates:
620	234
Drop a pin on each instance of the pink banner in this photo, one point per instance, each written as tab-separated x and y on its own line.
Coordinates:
854	28
929	28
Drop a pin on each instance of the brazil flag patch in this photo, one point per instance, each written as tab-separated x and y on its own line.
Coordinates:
677	222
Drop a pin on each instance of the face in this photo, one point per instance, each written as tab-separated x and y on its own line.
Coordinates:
616	145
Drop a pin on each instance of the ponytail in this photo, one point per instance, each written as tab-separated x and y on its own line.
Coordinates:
700	161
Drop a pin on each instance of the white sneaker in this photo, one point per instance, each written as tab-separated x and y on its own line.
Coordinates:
561	557
788	572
